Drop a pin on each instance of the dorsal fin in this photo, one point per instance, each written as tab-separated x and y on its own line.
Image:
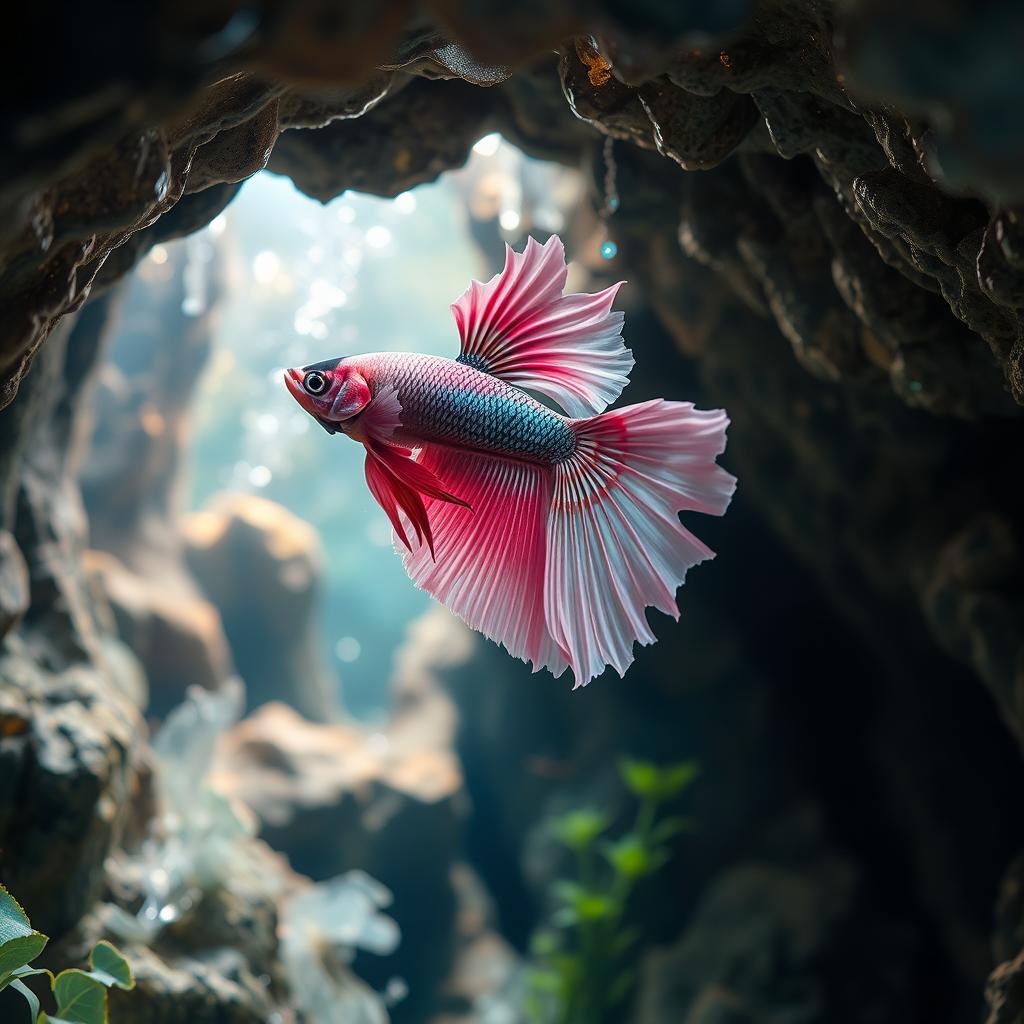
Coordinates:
521	328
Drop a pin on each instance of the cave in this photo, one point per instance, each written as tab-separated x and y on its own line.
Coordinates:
816	206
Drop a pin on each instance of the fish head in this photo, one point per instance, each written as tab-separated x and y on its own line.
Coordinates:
331	392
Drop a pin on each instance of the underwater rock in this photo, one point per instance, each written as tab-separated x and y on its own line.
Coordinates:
137	429
421	130
337	797
776	939
70	742
217	962
911	55
69	751
178	637
484	963
974	613
261	567
1004	991
13	583
88	195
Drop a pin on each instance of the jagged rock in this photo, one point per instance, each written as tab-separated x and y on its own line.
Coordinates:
337	797
1004	993
179	138
69	746
260	566
70	693
405	136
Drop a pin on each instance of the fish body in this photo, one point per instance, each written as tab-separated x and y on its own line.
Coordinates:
445	402
549	532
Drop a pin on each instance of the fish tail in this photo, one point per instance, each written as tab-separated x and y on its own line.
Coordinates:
558	563
615	545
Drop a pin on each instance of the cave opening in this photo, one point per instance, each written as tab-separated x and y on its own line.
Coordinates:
817	209
279	279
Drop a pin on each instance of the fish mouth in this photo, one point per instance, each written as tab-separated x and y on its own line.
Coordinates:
293	381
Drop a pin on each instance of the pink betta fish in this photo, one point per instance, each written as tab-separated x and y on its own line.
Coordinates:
548	533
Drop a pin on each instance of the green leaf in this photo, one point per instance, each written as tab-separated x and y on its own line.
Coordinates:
544	981
647	780
19	943
583	904
594	907
578	829
29	972
640	776
13	919
80	999
30	997
677	777
15	953
672	827
629	857
566	891
544	943
109	967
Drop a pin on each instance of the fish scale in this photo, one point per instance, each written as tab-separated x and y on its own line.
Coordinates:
448	402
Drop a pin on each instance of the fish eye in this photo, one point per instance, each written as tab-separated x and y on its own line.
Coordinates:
315	382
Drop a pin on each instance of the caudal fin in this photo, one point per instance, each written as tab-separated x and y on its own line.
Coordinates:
559	563
615	545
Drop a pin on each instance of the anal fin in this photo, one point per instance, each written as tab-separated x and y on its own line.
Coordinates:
489	564
399	483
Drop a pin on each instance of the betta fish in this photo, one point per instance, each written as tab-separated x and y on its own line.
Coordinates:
549	532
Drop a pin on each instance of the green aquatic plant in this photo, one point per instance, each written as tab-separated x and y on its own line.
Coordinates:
81	996
581	972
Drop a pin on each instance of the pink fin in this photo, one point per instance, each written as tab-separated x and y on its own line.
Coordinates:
398	483
382	415
489	566
614	541
521	328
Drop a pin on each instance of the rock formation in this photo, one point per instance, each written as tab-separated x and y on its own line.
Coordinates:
821	212
261	566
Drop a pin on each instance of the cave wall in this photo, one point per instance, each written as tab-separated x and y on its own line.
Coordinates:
821	204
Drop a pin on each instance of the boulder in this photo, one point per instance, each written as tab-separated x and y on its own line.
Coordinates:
341	796
261	567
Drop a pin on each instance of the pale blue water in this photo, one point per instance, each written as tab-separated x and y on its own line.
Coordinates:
307	282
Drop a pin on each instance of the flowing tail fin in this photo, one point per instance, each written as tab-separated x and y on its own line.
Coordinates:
614	541
559	563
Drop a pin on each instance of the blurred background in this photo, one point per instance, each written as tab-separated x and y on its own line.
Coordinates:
238	743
